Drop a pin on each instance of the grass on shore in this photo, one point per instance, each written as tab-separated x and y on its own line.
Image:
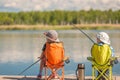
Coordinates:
33	27
60	27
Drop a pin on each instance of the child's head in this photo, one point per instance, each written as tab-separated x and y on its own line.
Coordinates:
103	37
51	36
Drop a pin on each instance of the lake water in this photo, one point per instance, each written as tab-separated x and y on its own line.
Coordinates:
19	49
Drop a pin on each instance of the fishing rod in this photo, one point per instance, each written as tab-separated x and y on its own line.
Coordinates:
90	38
29	67
84	33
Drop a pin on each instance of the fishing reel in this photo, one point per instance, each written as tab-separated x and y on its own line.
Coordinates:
67	60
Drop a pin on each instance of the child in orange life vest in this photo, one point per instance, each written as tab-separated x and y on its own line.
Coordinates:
51	36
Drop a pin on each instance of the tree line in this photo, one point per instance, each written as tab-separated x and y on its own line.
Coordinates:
59	17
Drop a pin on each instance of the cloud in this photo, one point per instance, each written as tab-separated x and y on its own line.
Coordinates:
105	1
13	4
37	7
28	5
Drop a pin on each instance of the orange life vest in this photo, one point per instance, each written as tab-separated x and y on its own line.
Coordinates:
54	52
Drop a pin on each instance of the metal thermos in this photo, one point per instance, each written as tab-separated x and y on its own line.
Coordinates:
80	72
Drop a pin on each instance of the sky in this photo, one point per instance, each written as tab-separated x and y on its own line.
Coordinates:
48	5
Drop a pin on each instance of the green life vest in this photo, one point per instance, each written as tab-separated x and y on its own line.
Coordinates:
101	53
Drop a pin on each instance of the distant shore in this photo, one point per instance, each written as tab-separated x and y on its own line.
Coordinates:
60	27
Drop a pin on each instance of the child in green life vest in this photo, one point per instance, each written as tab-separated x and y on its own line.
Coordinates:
102	51
103	38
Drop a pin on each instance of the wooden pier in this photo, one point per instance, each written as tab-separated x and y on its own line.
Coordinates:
15	77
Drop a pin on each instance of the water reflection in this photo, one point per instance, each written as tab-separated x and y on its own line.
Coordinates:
23	47
16	56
